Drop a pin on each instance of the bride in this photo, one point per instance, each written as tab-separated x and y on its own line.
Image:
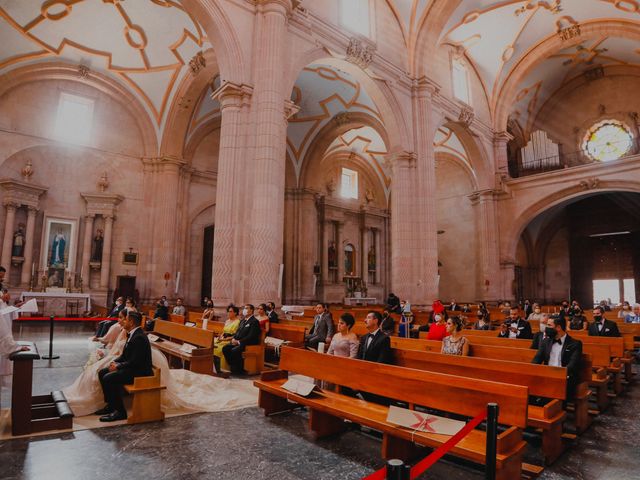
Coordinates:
186	391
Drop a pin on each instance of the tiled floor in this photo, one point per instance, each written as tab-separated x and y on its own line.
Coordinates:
245	444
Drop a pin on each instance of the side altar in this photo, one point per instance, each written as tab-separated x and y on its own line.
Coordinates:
59	303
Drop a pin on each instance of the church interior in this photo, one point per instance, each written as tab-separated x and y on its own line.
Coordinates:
469	158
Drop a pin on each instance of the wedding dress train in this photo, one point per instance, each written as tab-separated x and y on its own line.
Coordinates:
186	391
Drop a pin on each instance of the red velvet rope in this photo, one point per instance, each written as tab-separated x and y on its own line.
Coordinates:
67	319
419	468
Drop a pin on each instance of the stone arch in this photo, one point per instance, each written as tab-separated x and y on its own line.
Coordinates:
479	166
391	110
566	196
116	92
197	221
541	51
198	135
223	37
176	126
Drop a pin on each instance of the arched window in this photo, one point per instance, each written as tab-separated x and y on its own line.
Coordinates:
356	16
460	78
349	260
349	183
608	140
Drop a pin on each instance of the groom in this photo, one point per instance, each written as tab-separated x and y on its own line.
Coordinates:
135	361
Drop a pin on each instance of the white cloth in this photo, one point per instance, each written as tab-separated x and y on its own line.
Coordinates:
555	357
185	390
7	345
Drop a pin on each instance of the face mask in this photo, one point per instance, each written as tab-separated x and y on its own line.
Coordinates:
537	310
597	318
550	332
543	326
245	311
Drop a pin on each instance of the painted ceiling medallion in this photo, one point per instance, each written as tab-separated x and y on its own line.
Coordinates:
56	9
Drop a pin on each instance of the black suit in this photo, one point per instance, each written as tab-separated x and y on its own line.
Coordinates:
248	333
135	361
524	329
273	317
609	329
379	349
388	325
105	325
537	338
570	357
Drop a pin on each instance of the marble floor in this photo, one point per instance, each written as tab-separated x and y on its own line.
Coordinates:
245	444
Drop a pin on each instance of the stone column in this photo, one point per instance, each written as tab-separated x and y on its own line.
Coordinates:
404	241
425	235
27	266
105	268
339	251
268	169
326	239
7	244
500	153
364	254
229	260
487	233
85	268
379	256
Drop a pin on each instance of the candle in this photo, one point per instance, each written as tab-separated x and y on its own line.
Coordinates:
81	271
177	282
33	267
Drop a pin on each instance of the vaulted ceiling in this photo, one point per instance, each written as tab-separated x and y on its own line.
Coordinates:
145	45
496	36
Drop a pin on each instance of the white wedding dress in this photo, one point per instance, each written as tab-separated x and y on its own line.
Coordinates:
186	391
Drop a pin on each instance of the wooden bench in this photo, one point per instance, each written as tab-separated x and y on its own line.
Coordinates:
521	355
199	360
542	381
461	396
146	393
253	356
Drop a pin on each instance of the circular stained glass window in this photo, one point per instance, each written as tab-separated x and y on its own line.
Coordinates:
608	140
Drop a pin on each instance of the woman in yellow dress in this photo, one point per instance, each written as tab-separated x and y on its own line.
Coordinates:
229	330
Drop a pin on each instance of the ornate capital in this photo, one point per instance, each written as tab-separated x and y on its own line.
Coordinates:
32	210
466	115
197	63
22	193
359	53
426	86
342	118
502	137
284	6
232	95
400	159
290	109
589	183
11	206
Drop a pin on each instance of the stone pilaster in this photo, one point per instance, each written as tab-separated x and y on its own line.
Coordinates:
86	250
229	257
105	268
487	234
500	141
27	266
7	241
268	170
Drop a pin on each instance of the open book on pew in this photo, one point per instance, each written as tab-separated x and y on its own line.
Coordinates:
301	385
153	338
424	422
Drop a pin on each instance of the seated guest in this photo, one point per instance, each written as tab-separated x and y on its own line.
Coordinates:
393	303
481	322
322	329
527	308
135	361
455	343
518	327
388	324
635	318
437	330
466	308
578	320
601	327
179	309
271	311
539	336
406	318
105	325
209	312
162	313
536	313
130	305
344	343
625	311
565	310
560	350
248	333
453	306
375	346
205	302
263	318
228	331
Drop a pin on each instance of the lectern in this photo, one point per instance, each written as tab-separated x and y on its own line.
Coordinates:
31	414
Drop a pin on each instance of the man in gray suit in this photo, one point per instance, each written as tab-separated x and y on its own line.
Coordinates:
322	329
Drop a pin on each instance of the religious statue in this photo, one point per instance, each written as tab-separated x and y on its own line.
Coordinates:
57	250
98	241
348	260
18	242
333	260
56	279
371	259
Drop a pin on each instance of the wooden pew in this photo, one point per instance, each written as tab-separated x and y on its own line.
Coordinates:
200	360
146	393
542	381
289	333
522	355
253	356
461	396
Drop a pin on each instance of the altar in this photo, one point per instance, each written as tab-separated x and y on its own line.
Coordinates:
360	301
59	304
